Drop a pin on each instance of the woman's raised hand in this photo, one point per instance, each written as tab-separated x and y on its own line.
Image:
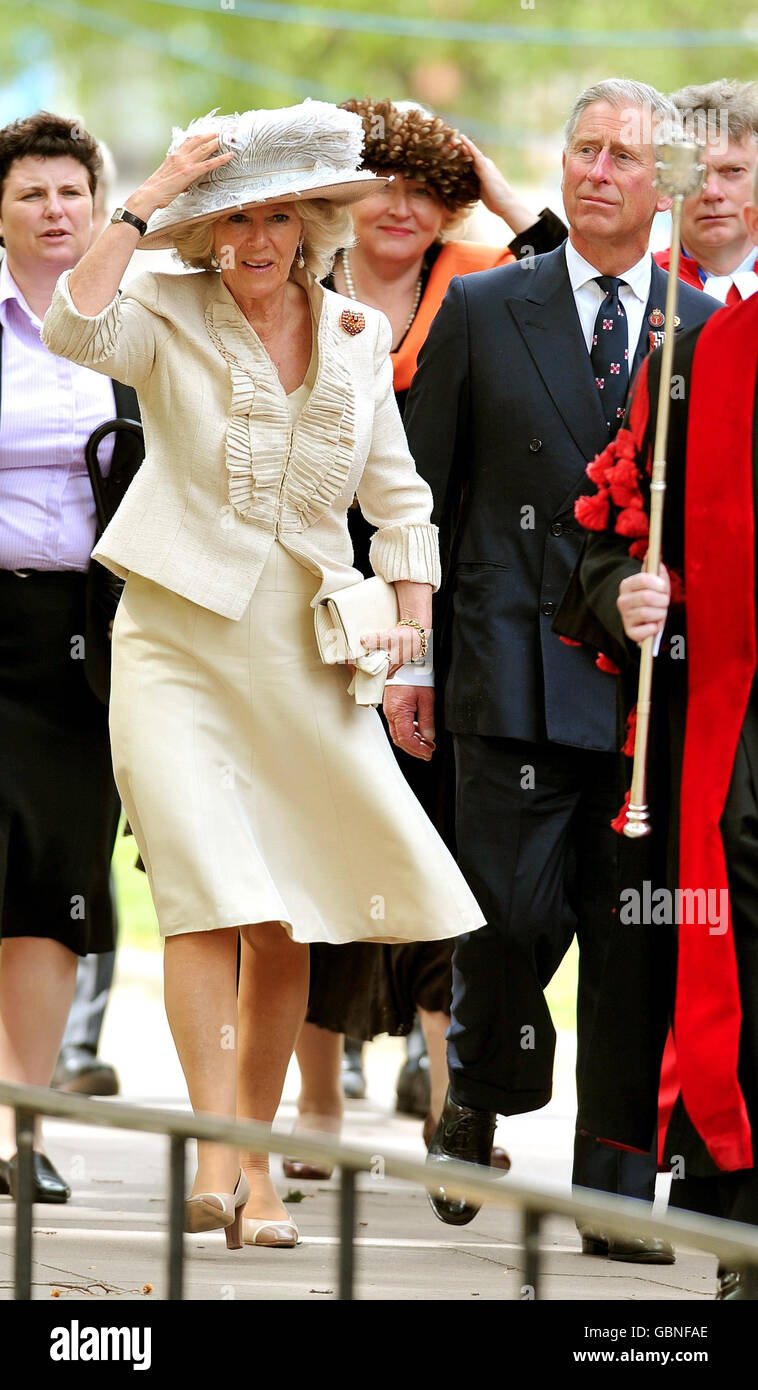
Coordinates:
496	192
94	282
195	156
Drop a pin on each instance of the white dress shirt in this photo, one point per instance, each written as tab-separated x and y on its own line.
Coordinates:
743	278
588	296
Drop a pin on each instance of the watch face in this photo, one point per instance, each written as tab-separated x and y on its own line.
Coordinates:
121	215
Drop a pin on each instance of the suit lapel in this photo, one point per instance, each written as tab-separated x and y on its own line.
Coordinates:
549	325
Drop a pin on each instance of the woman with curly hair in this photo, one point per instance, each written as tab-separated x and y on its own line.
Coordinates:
406	253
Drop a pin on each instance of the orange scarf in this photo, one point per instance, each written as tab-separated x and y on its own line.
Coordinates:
455	258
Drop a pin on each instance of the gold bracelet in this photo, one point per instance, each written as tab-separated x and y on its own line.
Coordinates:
411	622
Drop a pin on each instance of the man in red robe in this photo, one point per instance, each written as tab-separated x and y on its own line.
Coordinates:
718	255
703	763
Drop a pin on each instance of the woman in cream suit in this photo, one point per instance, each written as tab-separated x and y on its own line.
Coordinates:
266	804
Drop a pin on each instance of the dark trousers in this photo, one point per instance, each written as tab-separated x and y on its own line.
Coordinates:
535	844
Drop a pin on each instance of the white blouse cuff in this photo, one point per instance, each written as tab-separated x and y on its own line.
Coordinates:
408	552
82	338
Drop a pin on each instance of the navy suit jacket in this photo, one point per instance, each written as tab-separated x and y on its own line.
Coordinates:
502	417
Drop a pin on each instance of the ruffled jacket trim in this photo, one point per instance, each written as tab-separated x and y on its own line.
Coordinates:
276	473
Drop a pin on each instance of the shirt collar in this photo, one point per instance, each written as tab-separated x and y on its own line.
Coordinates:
580	273
9	290
747	264
749	261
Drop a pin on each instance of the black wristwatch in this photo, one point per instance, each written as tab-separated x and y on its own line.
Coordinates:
121	215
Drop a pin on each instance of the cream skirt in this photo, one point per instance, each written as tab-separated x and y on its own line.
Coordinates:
256	788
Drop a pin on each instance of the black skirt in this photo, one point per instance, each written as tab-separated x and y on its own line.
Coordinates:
363	990
59	808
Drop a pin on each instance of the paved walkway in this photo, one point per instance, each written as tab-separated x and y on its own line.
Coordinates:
108	1242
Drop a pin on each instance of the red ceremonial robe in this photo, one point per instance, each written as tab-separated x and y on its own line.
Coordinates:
719	523
719	593
689	272
719	582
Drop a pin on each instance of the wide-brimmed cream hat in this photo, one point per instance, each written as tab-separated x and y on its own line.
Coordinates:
308	151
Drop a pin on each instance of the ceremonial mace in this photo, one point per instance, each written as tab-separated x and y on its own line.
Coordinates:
678	173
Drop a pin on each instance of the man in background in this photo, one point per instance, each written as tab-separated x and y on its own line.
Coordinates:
718	255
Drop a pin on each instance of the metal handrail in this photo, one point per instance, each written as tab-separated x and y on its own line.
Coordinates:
735	1243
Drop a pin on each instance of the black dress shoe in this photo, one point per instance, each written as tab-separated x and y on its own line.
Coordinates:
48	1185
413	1088
465	1136
730	1287
80	1071
638	1250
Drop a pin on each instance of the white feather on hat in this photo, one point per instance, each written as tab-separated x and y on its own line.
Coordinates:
310	150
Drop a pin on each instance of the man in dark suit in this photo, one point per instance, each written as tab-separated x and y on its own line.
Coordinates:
523	379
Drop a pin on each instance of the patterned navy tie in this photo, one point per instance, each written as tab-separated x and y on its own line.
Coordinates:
609	353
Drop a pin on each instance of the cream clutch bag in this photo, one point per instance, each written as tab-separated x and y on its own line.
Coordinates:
345	616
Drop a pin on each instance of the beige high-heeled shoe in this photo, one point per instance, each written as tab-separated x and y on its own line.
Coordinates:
269	1232
213	1211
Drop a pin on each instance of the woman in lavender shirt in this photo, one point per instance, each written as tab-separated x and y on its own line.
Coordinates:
59	807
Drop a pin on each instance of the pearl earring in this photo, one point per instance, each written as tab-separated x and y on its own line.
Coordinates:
300	256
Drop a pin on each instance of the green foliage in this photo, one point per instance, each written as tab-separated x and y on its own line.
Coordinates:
138	926
135	68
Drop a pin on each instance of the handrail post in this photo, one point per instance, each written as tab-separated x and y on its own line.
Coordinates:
735	1243
176	1219
347	1234
24	1194
531	1241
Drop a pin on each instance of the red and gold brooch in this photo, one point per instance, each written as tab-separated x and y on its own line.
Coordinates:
352	321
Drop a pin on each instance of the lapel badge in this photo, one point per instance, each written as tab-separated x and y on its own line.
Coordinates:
656	319
352	321
656	339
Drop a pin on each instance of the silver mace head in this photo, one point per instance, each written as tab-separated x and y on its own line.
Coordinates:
678	171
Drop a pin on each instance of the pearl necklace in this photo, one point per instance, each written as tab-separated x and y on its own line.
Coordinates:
345	257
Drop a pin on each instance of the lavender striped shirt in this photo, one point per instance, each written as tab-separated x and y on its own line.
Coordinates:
48	409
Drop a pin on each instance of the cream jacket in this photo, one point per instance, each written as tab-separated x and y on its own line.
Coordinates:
225	473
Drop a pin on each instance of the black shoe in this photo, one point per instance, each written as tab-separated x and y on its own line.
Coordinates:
5	1186
351	1071
413	1089
730	1286
80	1071
637	1250
48	1185
464	1135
